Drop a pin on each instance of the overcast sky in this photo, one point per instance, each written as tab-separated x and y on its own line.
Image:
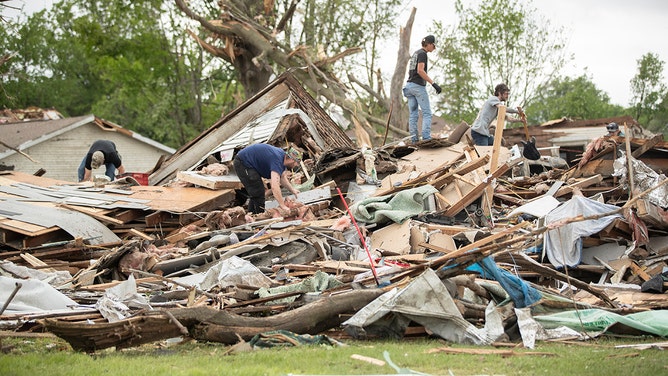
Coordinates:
605	36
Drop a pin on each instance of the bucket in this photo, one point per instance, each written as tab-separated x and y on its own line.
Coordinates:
140	177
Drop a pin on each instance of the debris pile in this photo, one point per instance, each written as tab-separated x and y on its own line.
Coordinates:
420	248
443	238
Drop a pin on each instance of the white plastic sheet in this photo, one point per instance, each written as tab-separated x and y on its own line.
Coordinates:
33	296
563	244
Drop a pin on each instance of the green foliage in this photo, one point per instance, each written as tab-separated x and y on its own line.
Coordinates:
502	41
124	61
51	356
457	101
574	98
659	120
329	27
647	87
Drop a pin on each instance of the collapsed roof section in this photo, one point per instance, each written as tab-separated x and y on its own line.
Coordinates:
281	114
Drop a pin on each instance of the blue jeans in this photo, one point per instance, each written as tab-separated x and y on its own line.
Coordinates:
481	139
110	170
417	97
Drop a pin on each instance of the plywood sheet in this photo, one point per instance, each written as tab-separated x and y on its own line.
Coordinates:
178	199
426	160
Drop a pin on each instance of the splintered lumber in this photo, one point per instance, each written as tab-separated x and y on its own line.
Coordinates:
532	264
647	145
420	180
579	184
462	170
478	190
209	324
134	331
475	245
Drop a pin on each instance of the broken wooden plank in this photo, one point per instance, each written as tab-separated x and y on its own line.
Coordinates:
476	192
100	217
230	181
462	170
579	184
639	271
647	145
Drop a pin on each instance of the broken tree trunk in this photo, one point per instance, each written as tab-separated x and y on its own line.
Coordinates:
209	324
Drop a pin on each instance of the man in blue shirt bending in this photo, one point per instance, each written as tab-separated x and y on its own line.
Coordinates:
258	161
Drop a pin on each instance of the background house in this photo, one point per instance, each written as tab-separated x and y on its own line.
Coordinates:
57	145
569	138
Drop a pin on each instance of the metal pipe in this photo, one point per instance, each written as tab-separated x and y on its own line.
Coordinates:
13	294
352	217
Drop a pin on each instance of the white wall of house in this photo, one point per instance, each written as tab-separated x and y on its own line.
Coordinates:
61	155
576	136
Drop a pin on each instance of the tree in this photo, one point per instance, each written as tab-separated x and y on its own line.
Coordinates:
121	61
659	120
574	98
312	39
647	87
500	41
457	102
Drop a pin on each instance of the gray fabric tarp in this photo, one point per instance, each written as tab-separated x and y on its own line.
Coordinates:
427	302
33	296
563	244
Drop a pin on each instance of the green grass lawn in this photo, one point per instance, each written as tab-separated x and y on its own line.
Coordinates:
53	356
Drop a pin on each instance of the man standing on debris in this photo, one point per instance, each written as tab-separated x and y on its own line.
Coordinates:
415	90
102	152
259	161
489	111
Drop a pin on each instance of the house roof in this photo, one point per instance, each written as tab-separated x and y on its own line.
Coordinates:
19	135
282	112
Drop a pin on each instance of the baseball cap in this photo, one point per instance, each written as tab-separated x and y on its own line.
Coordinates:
429	39
294	154
612	127
97	160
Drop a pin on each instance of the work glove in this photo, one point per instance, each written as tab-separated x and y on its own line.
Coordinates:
436	87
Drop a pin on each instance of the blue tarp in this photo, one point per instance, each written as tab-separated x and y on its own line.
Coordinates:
519	291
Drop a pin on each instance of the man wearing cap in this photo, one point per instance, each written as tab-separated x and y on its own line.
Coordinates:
102	152
613	130
415	90
258	161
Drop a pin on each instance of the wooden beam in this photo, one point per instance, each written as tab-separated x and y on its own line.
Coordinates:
579	184
629	164
462	170
477	244
494	162
648	144
419	180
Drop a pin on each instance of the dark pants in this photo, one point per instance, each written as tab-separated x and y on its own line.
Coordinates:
481	139
253	185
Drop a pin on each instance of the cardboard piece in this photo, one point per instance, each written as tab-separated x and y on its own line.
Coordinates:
394	238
